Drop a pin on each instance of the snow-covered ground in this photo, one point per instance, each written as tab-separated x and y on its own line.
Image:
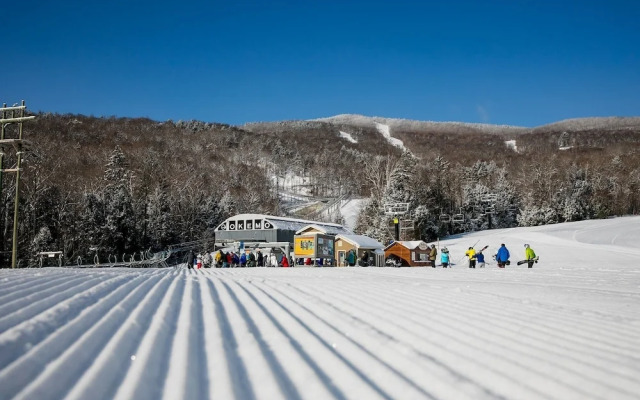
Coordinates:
566	329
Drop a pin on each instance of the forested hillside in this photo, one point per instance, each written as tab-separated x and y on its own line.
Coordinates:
122	185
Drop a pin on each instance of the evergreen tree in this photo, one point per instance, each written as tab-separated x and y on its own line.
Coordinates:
401	186
576	204
158	220
43	241
119	232
373	222
91	221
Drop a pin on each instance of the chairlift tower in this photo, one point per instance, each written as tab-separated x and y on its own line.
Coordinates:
396	210
13	115
488	202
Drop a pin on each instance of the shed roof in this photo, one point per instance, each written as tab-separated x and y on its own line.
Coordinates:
361	241
324	229
409	244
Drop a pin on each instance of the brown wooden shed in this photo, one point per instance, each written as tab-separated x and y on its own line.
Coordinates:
410	253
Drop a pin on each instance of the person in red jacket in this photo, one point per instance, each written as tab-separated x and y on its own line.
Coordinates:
285	261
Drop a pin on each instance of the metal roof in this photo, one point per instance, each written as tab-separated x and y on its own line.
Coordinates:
263	222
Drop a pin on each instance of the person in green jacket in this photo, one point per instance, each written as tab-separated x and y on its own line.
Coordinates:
351	258
529	255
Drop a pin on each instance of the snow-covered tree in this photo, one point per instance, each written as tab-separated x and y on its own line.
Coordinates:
576	203
43	241
119	233
534	215
372	222
401	185
158	219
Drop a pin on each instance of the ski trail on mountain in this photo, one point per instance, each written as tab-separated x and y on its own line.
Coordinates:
385	130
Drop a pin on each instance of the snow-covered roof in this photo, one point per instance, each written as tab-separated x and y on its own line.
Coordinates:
409	244
327	230
361	241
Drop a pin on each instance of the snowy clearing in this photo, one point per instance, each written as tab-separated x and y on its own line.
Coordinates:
566	329
350	210
348	136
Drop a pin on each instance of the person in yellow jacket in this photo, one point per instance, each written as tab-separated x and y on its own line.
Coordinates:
218	259
471	253
432	255
529	255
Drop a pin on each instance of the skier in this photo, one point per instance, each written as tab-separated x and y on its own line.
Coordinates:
273	260
260	259
480	259
190	258
432	255
207	259
199	261
471	253
365	259
502	256
351	258
234	260
225	259
243	260
529	255
285	261
444	257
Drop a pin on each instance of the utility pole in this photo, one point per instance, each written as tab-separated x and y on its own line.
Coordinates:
20	146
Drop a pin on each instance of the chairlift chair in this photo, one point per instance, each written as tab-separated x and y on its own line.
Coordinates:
458	218
446	218
490	197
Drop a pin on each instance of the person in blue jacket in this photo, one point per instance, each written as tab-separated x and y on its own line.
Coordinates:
444	257
502	257
480	259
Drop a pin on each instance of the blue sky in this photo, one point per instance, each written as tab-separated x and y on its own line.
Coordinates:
512	62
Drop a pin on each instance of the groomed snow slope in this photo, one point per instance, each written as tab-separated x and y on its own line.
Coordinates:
566	329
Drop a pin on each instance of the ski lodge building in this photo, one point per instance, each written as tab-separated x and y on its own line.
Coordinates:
323	242
254	231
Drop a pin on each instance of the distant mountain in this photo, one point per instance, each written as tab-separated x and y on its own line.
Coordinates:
407	125
451	127
593	123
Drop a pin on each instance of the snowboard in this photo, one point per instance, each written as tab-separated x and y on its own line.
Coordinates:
526	261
